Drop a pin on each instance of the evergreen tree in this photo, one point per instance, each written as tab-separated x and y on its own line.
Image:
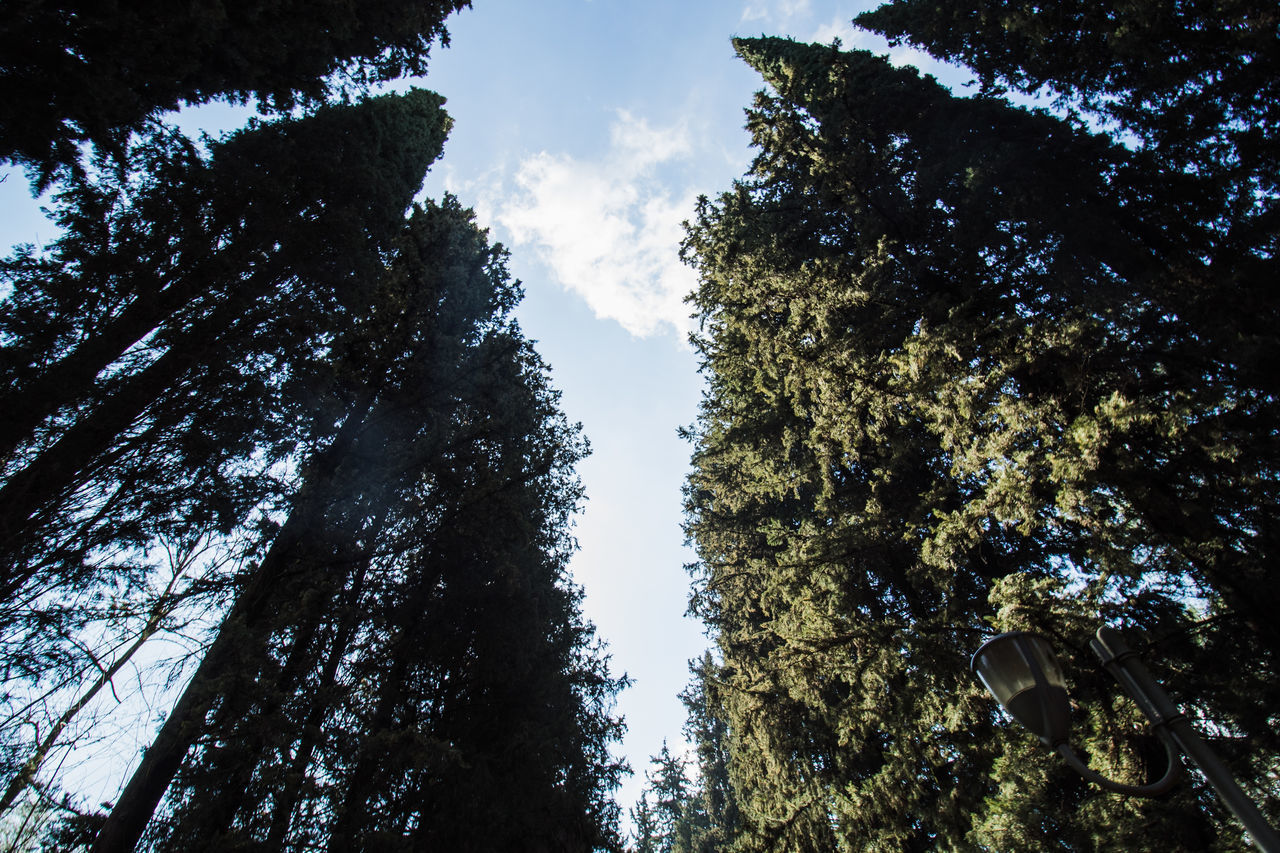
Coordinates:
79	71
164	340
165	357
406	667
676	814
1195	84
645	834
954	384
672	799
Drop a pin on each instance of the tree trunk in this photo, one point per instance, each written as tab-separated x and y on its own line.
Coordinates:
138	802
60	469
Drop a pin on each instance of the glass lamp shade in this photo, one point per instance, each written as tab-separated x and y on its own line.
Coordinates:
1022	673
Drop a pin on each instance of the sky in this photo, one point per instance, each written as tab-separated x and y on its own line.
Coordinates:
584	132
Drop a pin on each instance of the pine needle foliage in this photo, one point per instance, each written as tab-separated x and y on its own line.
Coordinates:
969	371
77	72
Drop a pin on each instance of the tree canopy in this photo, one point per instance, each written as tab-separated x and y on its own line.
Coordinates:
92	72
973	367
264	406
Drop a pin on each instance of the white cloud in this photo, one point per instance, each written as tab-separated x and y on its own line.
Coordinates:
607	228
778	12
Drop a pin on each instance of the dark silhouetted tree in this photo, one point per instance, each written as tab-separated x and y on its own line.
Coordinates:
166	361
166	339
406	667
85	72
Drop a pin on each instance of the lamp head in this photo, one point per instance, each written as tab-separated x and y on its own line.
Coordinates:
1022	673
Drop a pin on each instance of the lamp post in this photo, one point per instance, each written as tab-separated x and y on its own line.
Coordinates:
1022	673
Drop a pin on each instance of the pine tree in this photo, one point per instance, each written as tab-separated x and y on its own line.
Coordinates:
157	346
407	660
672	821
164	356
677	814
84	72
950	390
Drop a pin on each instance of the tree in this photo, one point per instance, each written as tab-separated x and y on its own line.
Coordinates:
164	357
948	387
178	232
361	689
676	814
1195	82
166	338
82	72
1205	118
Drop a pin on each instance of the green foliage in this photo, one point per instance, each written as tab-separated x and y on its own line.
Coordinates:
87	72
966	374
698	815
407	667
161	357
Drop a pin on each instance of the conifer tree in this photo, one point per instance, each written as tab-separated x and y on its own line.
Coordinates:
167	354
952	388
85	72
153	349
406	667
678	814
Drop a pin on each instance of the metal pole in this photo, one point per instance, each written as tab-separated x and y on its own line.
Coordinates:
1122	662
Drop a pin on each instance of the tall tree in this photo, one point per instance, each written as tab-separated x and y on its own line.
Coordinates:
83	72
178	231
408	650
152	351
1193	85
950	389
166	358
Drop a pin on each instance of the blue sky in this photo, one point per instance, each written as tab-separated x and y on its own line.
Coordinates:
584	131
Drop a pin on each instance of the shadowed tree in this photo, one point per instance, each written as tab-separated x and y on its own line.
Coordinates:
167	338
407	661
86	72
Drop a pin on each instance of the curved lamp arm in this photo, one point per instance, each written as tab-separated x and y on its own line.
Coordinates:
1169	722
1016	667
1155	789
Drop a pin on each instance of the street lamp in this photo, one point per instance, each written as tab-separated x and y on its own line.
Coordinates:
1022	673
